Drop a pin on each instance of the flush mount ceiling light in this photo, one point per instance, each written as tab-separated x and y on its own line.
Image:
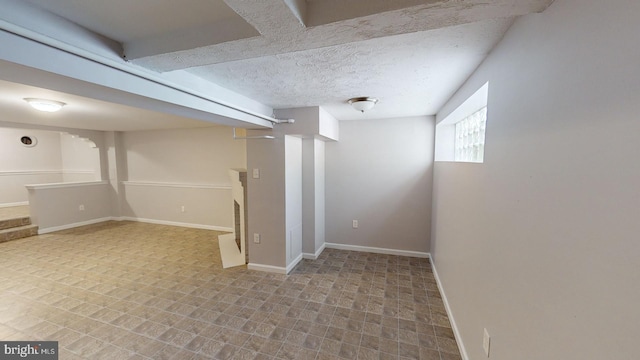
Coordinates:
45	105
363	104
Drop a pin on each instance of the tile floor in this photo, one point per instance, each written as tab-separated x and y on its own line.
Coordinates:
124	290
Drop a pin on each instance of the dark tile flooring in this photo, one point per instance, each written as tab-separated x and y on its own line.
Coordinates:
124	290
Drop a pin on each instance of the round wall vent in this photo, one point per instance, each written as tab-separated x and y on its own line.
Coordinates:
28	141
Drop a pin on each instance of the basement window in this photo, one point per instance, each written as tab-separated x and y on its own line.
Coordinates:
460	135
469	142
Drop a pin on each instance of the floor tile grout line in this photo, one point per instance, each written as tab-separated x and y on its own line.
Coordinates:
399	271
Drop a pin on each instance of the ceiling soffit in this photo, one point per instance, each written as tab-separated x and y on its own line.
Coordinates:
281	24
149	27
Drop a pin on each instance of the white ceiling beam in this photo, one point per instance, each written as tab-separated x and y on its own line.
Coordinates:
29	62
26	16
321	12
283	32
299	9
262	18
272	18
184	39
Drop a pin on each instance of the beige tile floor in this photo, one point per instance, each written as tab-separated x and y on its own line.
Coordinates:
123	290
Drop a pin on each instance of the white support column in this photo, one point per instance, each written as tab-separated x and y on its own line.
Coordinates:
313	198
116	167
286	190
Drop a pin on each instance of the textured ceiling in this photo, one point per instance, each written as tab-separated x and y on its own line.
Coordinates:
282	32
411	74
411	54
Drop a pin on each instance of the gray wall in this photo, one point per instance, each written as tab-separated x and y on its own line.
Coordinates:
266	201
380	173
55	207
168	169
540	243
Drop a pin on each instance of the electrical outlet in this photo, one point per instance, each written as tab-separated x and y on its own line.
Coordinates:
80	207
256	173
256	238
182	208
486	342
355	224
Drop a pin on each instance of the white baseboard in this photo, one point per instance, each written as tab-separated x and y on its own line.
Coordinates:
275	269
125	218
74	225
293	264
175	223
315	256
454	326
267	268
378	250
21	203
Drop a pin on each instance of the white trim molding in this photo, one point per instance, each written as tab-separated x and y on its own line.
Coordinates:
378	250
74	225
65	185
84	172
454	326
21	203
275	269
175	223
177	185
30	172
315	256
267	268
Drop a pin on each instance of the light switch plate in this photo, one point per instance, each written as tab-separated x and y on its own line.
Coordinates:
256	173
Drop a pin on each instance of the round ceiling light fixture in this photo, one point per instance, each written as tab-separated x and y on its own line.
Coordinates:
363	104
45	105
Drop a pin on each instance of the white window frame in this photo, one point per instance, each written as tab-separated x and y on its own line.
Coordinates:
445	147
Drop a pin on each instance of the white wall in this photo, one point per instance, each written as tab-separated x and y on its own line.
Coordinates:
319	193
80	159
328	126
168	169
380	173
20	165
293	198
313	196
56	157
540	243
